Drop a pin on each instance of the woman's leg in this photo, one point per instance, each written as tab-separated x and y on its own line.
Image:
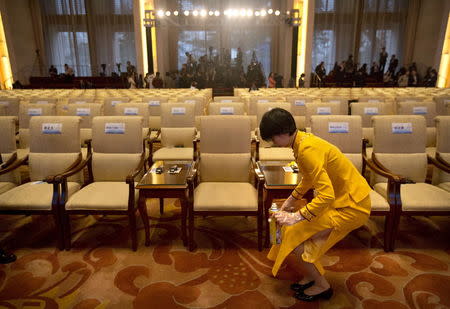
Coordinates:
309	270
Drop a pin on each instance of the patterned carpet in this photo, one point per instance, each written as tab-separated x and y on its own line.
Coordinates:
226	270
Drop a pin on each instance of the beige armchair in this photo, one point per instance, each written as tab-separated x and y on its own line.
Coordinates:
109	103
219	182
134	109
226	108
11	106
399	149
117	159
54	149
440	177
345	132
8	154
86	111
178	133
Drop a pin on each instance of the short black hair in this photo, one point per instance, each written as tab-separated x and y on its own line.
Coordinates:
276	121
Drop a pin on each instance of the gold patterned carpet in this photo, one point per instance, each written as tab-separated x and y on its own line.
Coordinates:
225	271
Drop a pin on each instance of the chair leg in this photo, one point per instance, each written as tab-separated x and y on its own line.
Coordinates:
59	231
191	230
387	232
161	206
67	234
133	232
145	220
394	230
260	231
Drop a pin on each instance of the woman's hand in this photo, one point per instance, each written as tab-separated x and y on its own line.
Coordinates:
288	218
291	204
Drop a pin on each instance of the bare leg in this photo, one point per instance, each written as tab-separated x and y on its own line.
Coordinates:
309	270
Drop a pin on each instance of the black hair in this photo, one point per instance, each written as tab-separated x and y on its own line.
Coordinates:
276	121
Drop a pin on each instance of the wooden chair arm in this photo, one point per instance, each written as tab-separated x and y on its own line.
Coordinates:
130	177
9	162
71	170
441	160
438	164
14	165
379	169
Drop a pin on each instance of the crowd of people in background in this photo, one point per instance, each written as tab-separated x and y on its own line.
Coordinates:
219	69
381	72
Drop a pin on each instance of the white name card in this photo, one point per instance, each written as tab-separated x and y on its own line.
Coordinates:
420	110
115	128
4	103
338	127
154	103
227	110
446	101
371	110
324	110
402	127
41	102
113	103
80	102
373	101
131	111
34	111
178	110
299	102
335	101
226	101
263	101
83	111
189	101
51	128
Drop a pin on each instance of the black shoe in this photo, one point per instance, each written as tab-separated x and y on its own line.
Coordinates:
297	287
310	298
6	258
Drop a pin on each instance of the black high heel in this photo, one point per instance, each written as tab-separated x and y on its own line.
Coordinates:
297	287
310	298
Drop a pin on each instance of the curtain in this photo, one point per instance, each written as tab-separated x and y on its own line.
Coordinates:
334	26
383	25
88	33
197	35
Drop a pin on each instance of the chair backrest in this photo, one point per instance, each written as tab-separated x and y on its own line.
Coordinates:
298	104
342	100
371	99
109	103
117	146
177	115
225	148
11	106
8	145
43	100
86	111
399	144
81	100
226	108
226	99
366	110
132	109
442	147
254	100
345	132
27	112
54	145
441	104
199	103
330	108
154	104
423	108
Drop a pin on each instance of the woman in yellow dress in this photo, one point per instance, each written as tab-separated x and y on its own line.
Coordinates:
341	203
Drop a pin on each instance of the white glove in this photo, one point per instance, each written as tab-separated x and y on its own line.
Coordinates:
288	218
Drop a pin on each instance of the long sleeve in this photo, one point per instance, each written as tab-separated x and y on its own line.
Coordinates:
315	176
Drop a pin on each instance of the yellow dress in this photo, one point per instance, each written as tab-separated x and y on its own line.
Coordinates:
341	202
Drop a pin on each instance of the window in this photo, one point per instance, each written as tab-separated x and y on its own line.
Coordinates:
324	5
195	42
124	47
323	49
73	49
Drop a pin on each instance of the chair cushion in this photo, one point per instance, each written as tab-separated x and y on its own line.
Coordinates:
378	202
101	196
420	196
32	196
225	196
445	186
276	154
5	186
173	153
